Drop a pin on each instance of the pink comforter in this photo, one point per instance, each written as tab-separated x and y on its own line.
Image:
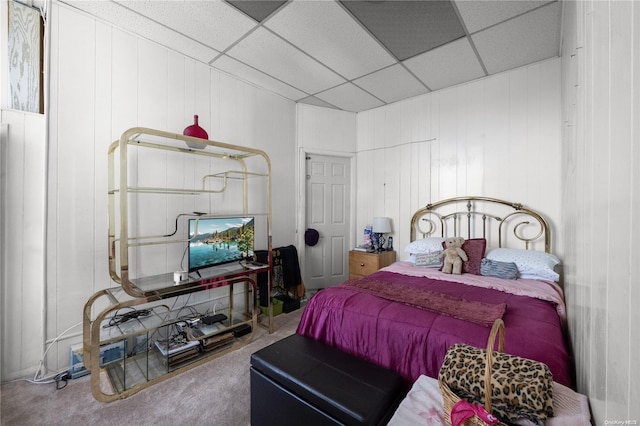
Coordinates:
414	341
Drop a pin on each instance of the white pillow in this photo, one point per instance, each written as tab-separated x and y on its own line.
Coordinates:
531	264
425	245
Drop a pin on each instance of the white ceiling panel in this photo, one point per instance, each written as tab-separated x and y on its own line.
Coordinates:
349	98
312	100
448	65
529	38
121	17
478	15
392	84
245	72
299	49
265	51
325	31
213	23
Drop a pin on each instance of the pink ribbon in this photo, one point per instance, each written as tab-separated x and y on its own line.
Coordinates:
463	410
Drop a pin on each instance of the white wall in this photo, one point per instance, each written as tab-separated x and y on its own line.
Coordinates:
326	130
601	200
497	137
104	81
22	258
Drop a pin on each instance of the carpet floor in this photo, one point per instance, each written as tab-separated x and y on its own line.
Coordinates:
215	393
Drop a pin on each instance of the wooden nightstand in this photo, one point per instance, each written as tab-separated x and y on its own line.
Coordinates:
362	263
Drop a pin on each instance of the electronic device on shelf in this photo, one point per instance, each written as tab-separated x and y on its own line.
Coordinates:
211	319
174	346
241	330
218	240
252	264
177	351
217	341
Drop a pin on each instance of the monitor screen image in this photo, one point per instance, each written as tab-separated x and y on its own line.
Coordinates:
217	240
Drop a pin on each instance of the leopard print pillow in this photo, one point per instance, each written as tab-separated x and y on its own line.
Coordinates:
520	388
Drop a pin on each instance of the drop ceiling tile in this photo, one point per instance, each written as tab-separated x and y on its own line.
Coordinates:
257	9
213	23
312	31
447	65
312	100
238	69
349	98
267	52
121	17
482	14
325	31
392	84
529	38
408	28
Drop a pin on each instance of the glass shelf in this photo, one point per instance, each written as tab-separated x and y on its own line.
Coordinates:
163	285
135	342
132	335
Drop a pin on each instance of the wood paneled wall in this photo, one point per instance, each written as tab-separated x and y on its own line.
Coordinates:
496	137
22	237
601	198
104	81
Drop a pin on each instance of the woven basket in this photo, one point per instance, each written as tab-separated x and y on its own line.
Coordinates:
450	398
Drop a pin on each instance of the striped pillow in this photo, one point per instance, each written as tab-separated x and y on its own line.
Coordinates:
532	264
494	268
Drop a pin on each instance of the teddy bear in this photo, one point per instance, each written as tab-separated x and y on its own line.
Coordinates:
453	256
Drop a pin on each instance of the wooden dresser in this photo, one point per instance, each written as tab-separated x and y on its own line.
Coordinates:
362	263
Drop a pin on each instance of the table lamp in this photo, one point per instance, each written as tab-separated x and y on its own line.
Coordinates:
381	226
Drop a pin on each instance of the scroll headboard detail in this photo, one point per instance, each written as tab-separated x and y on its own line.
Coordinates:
481	217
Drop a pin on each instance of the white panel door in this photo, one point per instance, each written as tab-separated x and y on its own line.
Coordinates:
327	211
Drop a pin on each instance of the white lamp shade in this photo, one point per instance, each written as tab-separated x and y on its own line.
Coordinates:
381	225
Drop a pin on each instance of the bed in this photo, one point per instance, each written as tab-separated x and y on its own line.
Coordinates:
405	316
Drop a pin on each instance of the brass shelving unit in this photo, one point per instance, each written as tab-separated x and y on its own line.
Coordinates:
157	181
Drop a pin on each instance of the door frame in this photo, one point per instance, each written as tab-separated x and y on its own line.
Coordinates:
301	206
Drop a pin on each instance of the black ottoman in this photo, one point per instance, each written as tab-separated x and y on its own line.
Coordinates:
298	380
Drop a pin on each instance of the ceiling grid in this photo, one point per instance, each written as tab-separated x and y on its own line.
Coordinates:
351	55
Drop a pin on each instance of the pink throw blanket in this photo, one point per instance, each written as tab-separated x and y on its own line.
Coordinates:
468	310
541	290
